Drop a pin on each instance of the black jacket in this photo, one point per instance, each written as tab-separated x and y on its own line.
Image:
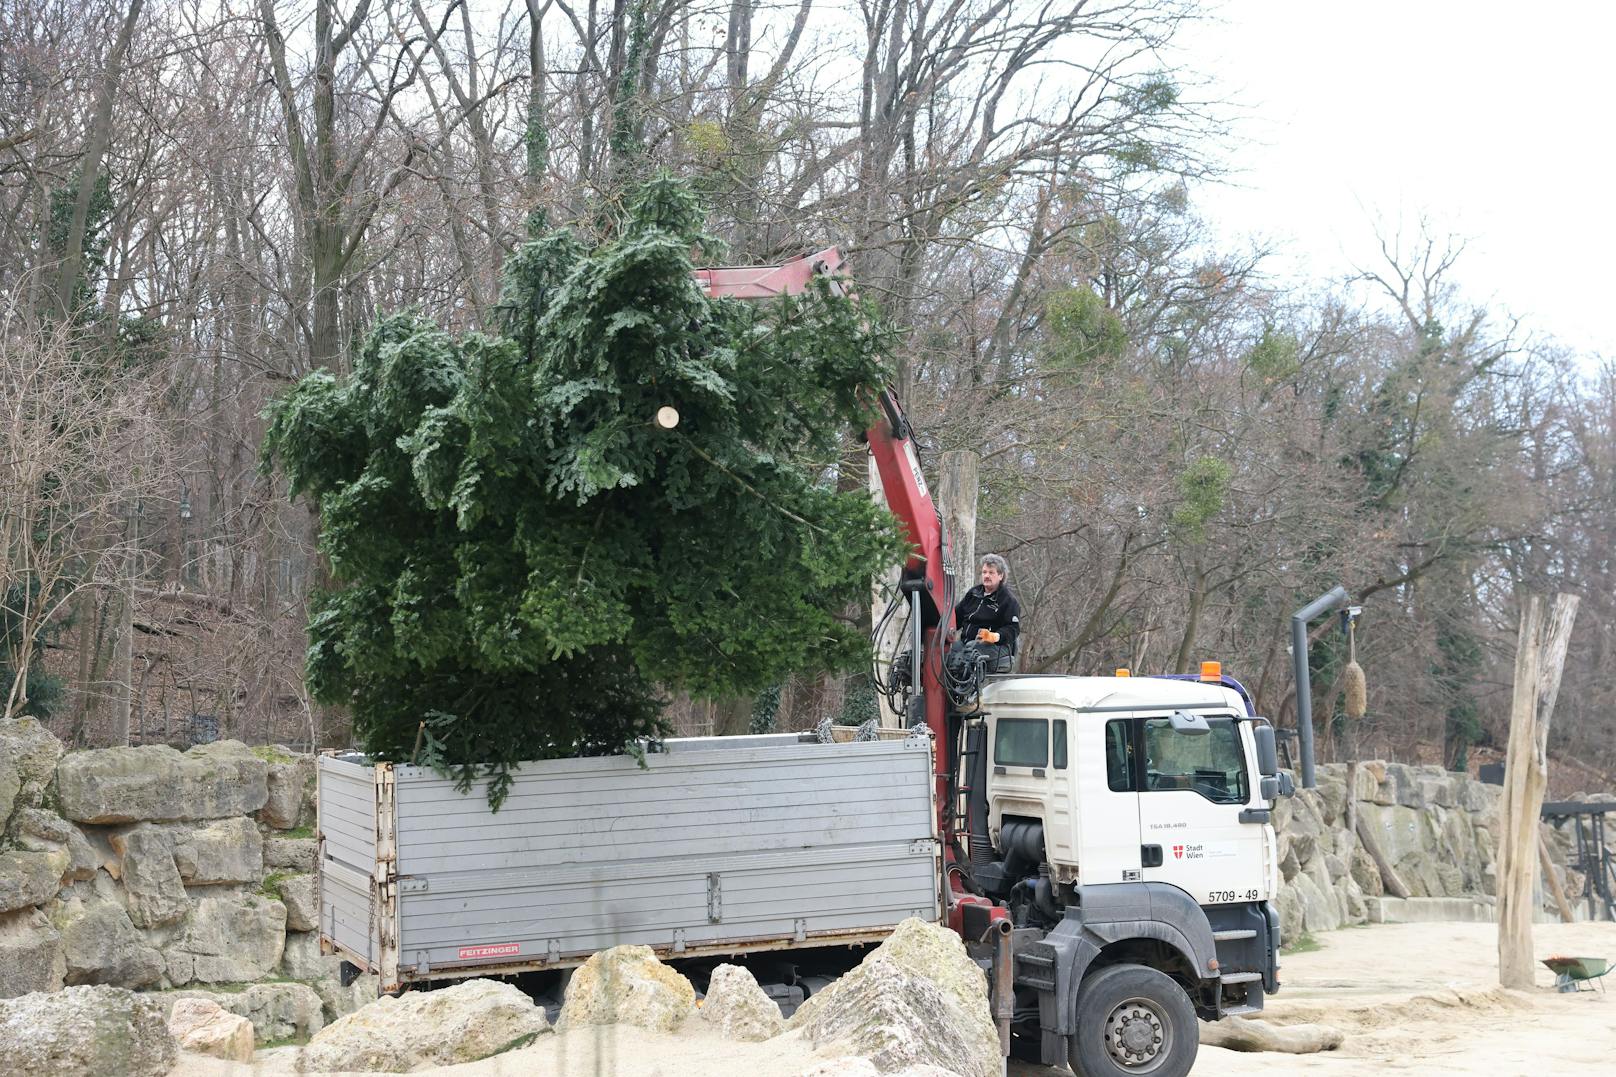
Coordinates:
999	611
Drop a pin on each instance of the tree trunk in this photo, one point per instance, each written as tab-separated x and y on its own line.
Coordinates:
1539	658
1192	624
123	660
538	121
956	499
95	148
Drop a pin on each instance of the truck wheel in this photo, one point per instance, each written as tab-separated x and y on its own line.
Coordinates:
1132	1021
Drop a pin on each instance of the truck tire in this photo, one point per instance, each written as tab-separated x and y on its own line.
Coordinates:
1134	1021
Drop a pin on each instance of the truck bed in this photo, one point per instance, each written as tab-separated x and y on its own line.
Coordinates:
717	845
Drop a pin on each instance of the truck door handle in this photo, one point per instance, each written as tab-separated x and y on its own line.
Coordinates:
1255	815
1150	856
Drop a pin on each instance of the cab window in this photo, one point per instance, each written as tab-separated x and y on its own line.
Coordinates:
1119	773
1212	764
1021	742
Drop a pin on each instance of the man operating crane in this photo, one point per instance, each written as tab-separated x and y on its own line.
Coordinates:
989	619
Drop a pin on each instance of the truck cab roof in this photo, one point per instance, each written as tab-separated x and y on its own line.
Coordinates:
1106	694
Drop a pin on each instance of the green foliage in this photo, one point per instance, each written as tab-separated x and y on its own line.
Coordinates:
271	886
765	710
1460	666
525	554
1275	357
1081	329
859	703
708	140
94	248
628	110
1201	489
142	342
1157	94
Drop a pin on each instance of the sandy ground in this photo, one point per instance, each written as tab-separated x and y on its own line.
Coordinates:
1424	999
1411	998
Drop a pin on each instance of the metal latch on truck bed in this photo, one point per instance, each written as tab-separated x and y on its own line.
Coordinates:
715	898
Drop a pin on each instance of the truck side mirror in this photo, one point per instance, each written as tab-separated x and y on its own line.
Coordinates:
1267	750
1278	785
1192	725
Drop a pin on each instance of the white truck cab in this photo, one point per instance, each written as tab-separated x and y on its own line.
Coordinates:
1124	824
1126	796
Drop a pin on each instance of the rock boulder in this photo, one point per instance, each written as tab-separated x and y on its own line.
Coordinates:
917	1000
10	787
302	959
737	1007
205	1027
149	875
102	946
276	1011
29	754
229	851
229	939
155	783
626	985
85	1030
339	1001
41	831
290	791
298	895
28	879
31	957
457	1024
289	854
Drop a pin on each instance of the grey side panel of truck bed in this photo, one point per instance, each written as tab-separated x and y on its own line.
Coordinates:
710	847
347	807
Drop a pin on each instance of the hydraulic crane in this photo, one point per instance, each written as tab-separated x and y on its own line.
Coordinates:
926	585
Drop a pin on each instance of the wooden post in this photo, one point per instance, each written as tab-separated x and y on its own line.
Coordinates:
1539	658
1553	881
1389	878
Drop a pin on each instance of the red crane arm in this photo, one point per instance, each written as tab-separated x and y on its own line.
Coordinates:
891	445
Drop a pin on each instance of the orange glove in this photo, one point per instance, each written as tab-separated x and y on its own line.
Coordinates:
986	635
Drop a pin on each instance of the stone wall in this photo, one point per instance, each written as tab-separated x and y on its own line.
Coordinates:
191	872
155	869
1436	828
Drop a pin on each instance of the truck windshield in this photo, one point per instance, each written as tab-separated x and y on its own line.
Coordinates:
1212	764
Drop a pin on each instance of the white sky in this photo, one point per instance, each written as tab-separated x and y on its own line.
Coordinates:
1495	121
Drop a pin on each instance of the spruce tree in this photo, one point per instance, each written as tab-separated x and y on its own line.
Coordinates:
525	556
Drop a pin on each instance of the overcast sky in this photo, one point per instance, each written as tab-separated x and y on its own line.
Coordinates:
1494	120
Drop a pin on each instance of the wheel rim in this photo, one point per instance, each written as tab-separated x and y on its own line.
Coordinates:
1137	1036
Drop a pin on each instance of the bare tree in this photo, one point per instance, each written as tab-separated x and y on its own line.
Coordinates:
79	449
